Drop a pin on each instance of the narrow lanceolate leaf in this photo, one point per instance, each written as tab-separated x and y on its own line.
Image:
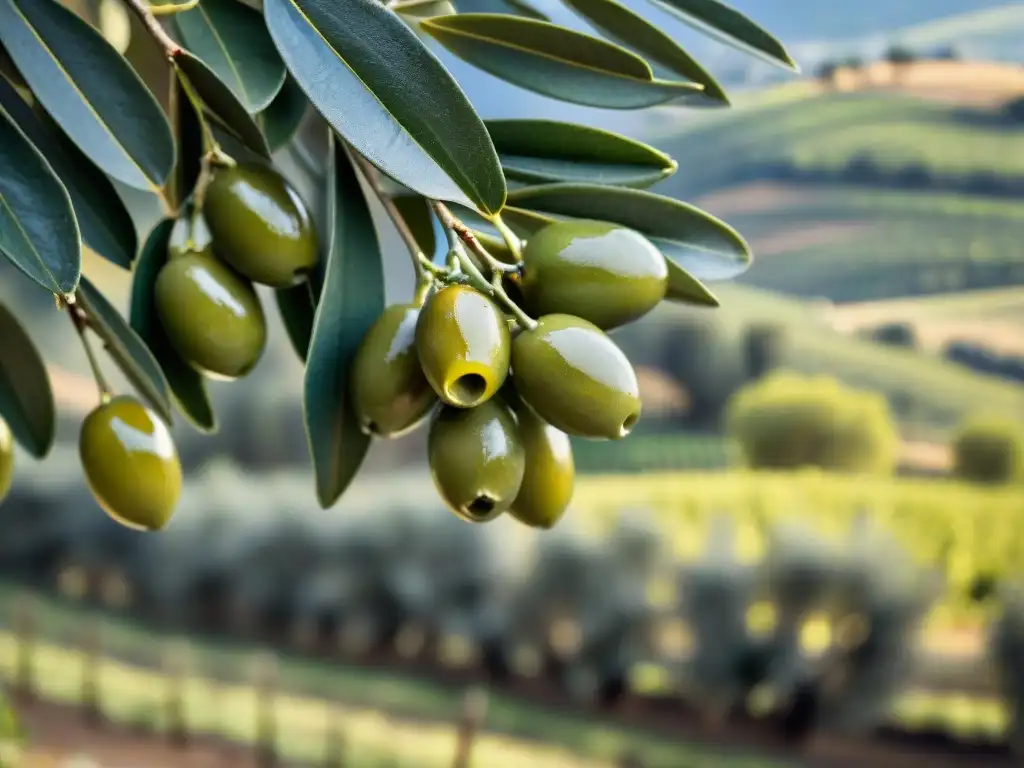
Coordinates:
555	61
297	306
353	298
515	7
724	23
682	286
415	212
26	396
187	387
90	90
546	150
233	41
619	23
126	348
38	231
221	104
104	222
706	247
280	121
389	97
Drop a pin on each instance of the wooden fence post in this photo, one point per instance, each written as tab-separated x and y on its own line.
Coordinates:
334	739
91	649
474	710
176	663
265	679
25	650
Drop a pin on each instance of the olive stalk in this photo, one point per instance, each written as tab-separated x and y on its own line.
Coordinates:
81	324
369	173
146	15
515	245
453	223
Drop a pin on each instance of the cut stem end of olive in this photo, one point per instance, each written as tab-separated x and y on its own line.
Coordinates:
628	424
467	391
481	508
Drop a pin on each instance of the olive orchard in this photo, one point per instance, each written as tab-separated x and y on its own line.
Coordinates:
501	349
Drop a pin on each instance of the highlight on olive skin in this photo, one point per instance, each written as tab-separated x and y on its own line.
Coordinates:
390	393
131	463
476	459
550	474
601	272
463	344
212	316
576	378
260	226
6	459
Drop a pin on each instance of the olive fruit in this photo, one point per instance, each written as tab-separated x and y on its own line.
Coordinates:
605	273
6	459
550	472
259	225
476	459
131	463
463	344
189	235
212	317
576	378
390	394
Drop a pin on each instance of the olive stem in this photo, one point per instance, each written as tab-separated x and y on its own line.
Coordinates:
452	223
210	143
369	173
81	324
494	289
146	15
512	240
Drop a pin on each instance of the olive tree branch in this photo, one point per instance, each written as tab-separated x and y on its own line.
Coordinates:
146	15
370	174
451	222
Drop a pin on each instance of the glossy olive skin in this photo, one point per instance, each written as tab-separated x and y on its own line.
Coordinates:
212	316
463	344
602	272
576	378
550	475
390	394
259	225
476	459
131	463
6	459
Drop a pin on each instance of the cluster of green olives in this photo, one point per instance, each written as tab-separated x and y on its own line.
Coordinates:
252	228
506	397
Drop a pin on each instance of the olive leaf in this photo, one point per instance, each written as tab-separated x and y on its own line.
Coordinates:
297	307
704	246
415	212
423	9
233	42
619	23
26	395
724	23
90	91
220	103
556	61
546	150
353	298
38	230
389	97
104	223
126	348
187	386
280	121
515	7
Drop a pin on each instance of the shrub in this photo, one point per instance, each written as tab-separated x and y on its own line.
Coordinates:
788	421
989	451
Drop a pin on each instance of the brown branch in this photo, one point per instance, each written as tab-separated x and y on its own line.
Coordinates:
142	10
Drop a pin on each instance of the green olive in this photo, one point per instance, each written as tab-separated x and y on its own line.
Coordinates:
550	472
463	344
390	394
189	235
604	273
259	225
131	463
212	316
476	459
6	459
576	378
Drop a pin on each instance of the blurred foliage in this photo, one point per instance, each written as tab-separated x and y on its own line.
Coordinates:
988	450
789	421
